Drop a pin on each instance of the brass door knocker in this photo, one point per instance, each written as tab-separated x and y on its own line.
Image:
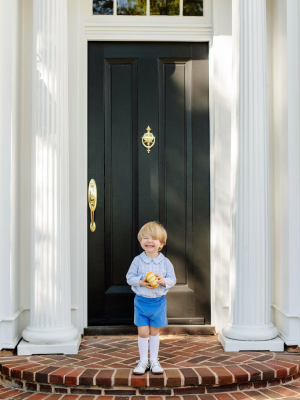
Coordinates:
148	139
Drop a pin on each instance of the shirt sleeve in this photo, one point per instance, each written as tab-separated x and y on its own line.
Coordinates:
170	278
133	276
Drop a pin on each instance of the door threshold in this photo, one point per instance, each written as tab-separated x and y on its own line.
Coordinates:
116	330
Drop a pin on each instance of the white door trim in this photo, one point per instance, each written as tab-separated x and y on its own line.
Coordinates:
131	28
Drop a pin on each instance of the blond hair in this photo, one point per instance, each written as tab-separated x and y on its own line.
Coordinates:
154	229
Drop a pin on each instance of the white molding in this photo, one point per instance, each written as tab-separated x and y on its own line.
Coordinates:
284	312
147	28
14	316
148	32
11	329
12	344
27	308
288	341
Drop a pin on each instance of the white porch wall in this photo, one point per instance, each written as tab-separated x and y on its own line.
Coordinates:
78	197
271	148
286	123
221	84
10	150
26	179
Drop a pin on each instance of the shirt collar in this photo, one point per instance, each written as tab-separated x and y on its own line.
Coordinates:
147	259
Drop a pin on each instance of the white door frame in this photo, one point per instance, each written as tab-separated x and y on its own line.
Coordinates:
136	28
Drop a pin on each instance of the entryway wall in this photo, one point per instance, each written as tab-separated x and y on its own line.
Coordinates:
284	120
10	167
216	31
283	38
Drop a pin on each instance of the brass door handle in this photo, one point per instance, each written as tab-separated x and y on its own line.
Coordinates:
92	196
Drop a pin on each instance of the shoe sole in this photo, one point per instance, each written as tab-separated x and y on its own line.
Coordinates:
157	373
140	373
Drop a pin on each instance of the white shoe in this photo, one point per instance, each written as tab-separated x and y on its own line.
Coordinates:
156	367
141	368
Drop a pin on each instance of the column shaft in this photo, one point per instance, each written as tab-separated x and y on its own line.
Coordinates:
250	280
50	293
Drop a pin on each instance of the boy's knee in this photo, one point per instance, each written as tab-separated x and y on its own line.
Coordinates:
154	331
143	331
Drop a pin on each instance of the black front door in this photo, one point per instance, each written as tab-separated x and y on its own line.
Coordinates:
165	86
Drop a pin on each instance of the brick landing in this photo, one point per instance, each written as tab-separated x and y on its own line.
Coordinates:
194	366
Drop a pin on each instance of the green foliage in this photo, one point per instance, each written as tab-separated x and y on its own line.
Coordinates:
193	8
103	7
131	7
164	7
157	7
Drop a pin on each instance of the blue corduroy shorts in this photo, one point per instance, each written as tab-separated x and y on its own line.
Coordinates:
150	311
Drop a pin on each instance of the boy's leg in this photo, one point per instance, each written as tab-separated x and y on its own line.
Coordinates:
143	365
154	343
154	347
143	332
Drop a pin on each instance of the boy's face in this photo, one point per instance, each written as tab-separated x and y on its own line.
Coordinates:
151	245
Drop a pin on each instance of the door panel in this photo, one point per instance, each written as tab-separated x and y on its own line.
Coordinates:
120	166
177	180
131	86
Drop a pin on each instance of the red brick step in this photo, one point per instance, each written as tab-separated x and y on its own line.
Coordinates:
194	365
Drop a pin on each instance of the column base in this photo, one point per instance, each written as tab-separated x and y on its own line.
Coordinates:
50	335
250	332
29	349
275	344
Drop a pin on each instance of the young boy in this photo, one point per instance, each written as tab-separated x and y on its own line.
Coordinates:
150	305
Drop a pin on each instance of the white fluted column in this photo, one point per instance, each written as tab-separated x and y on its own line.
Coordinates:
50	315
250	269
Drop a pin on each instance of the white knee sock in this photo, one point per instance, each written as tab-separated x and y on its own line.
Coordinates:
143	348
154	347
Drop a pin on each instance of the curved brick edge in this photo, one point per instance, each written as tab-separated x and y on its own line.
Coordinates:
34	373
289	390
9	382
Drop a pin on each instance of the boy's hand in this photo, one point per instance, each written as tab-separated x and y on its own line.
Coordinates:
160	280
145	284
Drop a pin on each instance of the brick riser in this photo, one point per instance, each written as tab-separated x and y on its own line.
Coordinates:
175	377
143	391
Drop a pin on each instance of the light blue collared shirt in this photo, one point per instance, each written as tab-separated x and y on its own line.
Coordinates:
143	264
